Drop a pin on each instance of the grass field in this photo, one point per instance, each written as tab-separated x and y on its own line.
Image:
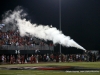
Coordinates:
45	72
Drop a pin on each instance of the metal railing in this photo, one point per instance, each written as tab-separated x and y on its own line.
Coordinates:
11	47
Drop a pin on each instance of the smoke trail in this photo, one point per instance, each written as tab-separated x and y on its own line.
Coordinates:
26	28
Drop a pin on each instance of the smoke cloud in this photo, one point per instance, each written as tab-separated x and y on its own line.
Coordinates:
16	19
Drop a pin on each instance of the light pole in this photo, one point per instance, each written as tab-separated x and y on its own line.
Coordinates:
60	19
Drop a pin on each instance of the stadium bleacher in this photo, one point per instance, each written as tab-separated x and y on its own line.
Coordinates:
11	40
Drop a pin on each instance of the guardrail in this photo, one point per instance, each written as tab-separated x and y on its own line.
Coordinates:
11	47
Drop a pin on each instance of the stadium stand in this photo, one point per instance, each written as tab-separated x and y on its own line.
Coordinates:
11	40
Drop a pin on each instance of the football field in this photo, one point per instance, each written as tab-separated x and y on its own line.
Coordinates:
52	72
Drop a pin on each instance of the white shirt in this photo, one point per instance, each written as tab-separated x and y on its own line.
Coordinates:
3	57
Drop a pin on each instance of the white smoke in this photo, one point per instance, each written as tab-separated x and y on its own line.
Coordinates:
47	32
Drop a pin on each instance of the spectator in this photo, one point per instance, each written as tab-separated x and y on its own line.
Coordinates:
3	58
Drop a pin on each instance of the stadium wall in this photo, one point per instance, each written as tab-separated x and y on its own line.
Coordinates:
25	51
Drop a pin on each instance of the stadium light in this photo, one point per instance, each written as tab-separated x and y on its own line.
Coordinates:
60	19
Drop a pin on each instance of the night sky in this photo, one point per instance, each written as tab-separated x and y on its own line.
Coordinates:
80	19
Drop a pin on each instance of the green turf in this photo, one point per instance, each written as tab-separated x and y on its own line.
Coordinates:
32	72
82	64
39	72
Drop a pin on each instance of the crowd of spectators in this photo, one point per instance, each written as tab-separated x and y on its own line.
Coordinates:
13	38
49	58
